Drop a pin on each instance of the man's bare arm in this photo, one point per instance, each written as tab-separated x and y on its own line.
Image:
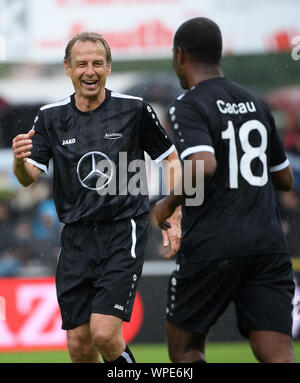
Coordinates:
172	171
166	207
172	176
25	172
283	180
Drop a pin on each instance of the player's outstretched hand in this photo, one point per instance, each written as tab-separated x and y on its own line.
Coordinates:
162	212
170	223
22	144
172	236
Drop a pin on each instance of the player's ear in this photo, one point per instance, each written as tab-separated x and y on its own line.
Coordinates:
67	68
179	55
108	69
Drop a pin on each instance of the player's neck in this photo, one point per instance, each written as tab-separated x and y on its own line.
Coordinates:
87	104
202	73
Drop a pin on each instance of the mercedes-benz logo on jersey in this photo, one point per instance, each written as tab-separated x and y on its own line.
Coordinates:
89	173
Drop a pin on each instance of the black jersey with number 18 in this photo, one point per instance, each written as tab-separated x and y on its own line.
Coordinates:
240	211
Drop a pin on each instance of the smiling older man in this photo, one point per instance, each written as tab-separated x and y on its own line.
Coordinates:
102	243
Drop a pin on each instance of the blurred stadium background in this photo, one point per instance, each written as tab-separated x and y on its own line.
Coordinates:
261	52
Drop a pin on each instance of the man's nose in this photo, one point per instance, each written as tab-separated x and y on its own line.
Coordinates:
89	70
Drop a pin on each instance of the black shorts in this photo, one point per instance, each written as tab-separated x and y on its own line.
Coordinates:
98	269
261	288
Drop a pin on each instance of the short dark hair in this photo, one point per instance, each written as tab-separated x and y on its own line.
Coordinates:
201	38
87	36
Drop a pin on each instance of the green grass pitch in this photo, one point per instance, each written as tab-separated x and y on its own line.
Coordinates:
235	352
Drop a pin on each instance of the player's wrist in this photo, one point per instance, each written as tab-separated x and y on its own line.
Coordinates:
19	162
173	201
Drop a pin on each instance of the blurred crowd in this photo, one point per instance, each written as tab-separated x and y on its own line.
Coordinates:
29	232
29	227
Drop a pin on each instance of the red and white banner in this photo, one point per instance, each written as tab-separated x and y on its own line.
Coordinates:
35	30
30	317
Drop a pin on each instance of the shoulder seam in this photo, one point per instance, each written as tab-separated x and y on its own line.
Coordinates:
121	95
65	101
181	96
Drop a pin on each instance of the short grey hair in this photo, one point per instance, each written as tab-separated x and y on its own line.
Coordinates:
87	36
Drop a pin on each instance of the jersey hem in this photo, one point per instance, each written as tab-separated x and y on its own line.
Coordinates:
279	167
165	154
196	149
38	165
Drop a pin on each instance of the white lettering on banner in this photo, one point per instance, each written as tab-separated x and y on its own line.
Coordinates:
32	317
296	49
33	331
142	28
13	29
7	338
2	308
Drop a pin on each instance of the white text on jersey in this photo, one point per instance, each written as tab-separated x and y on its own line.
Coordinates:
241	107
69	142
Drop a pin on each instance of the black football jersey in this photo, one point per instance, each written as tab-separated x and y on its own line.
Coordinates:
240	212
97	154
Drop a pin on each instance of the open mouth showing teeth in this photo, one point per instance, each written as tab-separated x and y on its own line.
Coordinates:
86	82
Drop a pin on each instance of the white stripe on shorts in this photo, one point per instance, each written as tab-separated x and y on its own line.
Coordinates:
126	357
133	236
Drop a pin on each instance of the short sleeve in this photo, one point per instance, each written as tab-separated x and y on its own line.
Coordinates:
41	150
154	139
190	129
278	158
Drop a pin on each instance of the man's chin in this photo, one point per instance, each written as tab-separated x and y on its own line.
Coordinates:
92	94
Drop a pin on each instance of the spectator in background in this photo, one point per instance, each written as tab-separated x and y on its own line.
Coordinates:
29	239
46	233
3	104
5	226
46	225
22	238
3	108
9	262
290	213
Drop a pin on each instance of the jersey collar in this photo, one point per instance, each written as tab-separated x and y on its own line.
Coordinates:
91	112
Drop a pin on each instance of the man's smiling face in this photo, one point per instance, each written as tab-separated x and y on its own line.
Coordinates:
88	68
